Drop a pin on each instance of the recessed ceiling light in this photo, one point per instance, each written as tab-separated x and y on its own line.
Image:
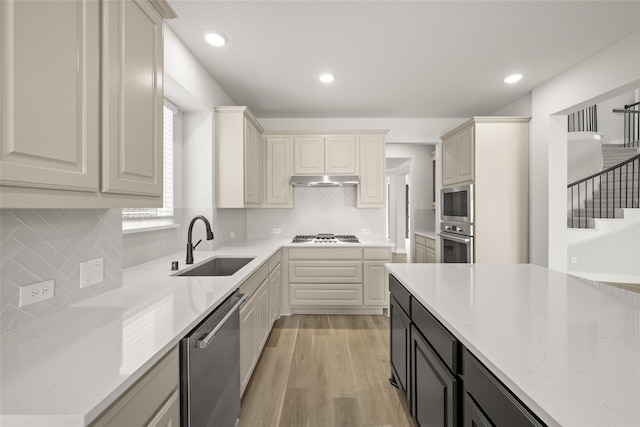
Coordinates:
512	78
215	39
327	77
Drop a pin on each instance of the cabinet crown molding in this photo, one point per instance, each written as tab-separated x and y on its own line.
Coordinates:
164	8
487	119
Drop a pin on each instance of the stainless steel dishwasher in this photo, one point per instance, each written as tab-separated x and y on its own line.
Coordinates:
210	368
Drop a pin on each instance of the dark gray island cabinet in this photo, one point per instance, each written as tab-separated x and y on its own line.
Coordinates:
444	383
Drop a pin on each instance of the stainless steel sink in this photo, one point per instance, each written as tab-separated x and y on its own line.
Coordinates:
217	267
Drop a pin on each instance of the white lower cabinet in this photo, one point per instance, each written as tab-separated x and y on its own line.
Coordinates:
257	314
248	340
152	401
275	293
425	249
350	278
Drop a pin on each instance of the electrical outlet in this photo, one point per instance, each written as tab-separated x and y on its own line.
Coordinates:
574	260
91	272
233	234
36	292
277	231
366	231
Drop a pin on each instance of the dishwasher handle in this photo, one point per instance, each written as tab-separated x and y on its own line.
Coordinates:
204	343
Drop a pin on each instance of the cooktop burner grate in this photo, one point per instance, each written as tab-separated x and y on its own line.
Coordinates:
325	238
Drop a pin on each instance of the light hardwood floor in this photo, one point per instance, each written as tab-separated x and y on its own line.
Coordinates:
321	370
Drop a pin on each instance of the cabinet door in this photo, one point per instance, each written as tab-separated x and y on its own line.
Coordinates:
169	413
430	256
278	171
340	155
464	155
376	285
308	155
264	316
49	81
473	416
275	293
132	55
371	190
248	340
433	388
449	161
399	328
253	164
421	254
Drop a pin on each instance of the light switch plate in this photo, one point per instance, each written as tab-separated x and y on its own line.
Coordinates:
91	272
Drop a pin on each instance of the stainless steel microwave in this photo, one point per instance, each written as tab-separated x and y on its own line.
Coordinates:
457	204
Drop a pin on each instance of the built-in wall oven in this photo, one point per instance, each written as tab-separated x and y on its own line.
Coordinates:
456	240
457	204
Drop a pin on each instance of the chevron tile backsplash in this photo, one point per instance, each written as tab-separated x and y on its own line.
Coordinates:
317	210
45	244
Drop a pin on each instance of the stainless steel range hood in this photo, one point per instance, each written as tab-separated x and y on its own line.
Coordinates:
324	181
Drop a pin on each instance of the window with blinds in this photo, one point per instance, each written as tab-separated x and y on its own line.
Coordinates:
166	211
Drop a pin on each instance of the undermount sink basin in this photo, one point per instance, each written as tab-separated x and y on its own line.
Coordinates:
217	267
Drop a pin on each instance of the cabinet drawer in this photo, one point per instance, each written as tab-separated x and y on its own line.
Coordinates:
401	294
496	401
438	336
325	253
253	282
382	254
325	295
421	240
325	272
275	260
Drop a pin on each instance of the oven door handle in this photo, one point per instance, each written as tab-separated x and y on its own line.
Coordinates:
204	343
455	238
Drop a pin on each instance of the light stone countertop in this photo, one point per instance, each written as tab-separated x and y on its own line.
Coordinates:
567	347
63	370
427	234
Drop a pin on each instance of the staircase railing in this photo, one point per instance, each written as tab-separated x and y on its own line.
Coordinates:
585	120
631	124
621	180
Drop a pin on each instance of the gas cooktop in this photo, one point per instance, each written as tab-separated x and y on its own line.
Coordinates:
325	238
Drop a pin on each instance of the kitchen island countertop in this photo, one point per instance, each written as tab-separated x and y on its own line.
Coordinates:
567	347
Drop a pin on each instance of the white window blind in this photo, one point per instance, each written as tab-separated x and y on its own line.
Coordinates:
166	211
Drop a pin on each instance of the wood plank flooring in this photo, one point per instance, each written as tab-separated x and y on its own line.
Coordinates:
325	371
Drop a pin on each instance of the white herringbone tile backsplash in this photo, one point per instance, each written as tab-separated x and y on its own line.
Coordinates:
317	210
45	244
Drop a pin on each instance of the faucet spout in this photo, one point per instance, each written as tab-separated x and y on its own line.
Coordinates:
190	245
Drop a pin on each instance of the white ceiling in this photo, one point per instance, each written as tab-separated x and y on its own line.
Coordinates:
428	59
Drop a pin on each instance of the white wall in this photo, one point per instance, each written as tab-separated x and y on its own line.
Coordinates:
611	72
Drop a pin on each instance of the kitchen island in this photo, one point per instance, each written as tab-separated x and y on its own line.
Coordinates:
567	348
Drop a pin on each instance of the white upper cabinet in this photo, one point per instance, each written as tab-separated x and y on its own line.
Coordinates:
132	98
49	82
320	155
279	162
371	190
239	158
340	155
309	155
81	86
457	157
